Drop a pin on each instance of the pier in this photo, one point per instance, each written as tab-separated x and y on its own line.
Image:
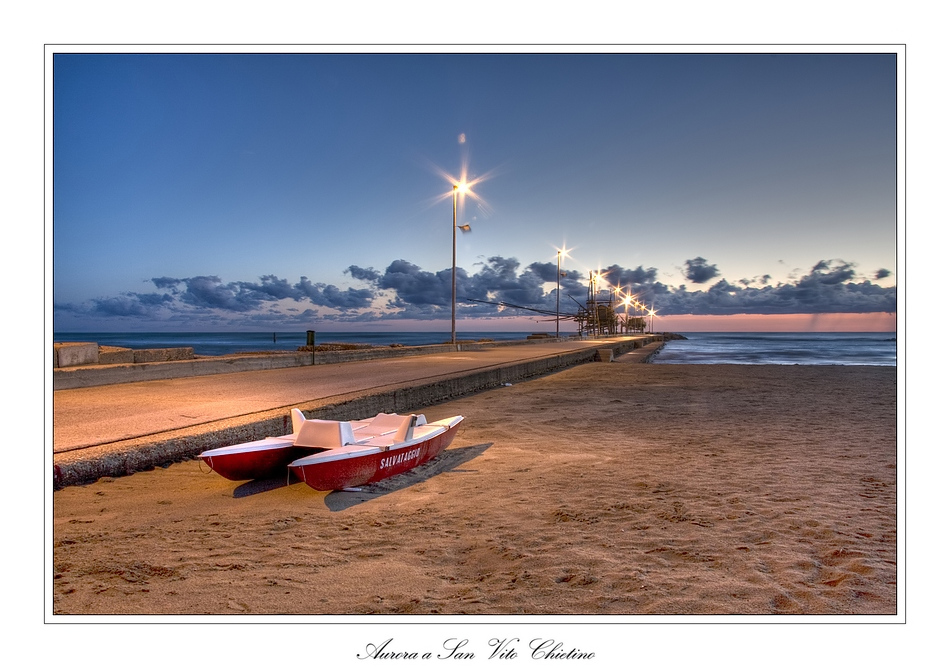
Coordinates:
116	419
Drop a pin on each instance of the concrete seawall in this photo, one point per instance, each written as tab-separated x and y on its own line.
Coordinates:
86	464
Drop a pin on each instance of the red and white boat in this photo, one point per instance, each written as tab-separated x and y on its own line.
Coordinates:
329	454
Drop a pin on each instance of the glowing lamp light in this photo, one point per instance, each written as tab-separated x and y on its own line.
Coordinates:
463	188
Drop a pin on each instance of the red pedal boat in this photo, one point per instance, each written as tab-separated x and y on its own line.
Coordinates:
329	454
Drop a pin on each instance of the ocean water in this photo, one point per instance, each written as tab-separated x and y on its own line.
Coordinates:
225	343
876	349
813	348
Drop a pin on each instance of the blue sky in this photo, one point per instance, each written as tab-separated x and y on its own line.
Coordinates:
294	191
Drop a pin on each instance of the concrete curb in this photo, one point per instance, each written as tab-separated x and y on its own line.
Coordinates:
86	465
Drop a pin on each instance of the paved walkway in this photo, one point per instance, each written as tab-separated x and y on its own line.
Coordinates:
95	416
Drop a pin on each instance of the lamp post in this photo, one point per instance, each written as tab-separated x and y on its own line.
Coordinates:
557	299
463	187
557	304
455	201
618	291
626	312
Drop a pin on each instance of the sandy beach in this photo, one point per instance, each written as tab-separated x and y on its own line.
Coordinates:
606	489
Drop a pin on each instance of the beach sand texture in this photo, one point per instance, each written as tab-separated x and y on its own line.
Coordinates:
605	489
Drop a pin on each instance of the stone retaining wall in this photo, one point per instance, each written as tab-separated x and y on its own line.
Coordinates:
75	354
82	354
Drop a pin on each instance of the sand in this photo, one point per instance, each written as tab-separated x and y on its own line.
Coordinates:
606	489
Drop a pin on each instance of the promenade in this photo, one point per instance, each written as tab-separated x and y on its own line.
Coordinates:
116	429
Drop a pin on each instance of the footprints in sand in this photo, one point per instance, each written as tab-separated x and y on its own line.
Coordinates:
113	580
677	513
285	523
840	565
565	515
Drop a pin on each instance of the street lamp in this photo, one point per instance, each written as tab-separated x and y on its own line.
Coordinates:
557	299
557	327
627	300
456	188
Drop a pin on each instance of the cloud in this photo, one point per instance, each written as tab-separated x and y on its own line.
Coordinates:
617	275
827	288
347	299
698	271
166	283
405	291
208	292
882	273
120	306
359	273
331	296
499	280
415	286
826	273
272	287
572	282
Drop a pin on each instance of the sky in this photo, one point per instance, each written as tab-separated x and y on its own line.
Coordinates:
293	191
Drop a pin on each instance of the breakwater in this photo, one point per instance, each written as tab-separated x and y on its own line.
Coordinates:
92	374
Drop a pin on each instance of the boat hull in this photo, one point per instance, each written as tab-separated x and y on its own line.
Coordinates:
253	463
374	465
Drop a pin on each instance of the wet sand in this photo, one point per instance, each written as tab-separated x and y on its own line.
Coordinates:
606	489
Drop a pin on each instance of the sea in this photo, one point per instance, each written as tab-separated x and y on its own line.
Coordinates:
821	348
809	348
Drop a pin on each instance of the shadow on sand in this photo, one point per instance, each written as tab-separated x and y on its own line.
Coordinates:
447	462
340	500
262	485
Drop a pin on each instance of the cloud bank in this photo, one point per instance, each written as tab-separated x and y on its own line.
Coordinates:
405	291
